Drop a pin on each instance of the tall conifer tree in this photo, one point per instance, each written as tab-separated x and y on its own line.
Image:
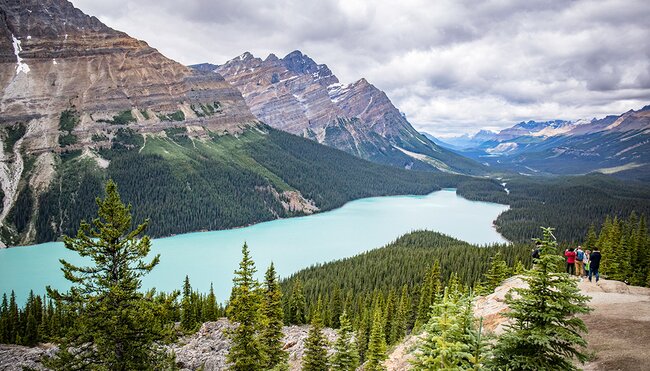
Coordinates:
246	351
271	334
297	304
346	355
116	325
315	358
377	343
545	333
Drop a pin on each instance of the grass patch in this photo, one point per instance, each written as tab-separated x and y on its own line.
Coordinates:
123	118
13	134
99	138
176	116
67	122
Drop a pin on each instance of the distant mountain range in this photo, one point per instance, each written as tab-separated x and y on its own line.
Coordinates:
618	145
297	95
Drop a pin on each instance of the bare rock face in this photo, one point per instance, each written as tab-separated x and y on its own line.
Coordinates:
56	59
204	350
18	358
207	348
299	96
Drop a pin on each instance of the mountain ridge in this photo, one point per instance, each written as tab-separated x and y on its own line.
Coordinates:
297	95
614	144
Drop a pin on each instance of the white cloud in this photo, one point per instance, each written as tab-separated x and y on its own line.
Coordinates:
451	66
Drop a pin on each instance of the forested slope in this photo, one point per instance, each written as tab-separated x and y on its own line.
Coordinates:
187	184
569	204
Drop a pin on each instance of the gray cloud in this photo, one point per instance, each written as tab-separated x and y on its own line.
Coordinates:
451	66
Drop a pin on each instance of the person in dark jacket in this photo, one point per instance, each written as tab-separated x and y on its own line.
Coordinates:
594	264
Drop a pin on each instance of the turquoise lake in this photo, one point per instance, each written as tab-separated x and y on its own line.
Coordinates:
291	244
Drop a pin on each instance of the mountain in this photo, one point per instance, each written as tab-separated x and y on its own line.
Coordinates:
301	97
439	141
465	141
616	145
82	103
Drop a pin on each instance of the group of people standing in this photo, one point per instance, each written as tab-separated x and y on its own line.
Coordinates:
583	263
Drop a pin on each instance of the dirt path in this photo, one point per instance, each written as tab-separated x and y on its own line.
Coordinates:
619	326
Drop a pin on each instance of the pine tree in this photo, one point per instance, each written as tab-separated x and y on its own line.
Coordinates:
545	333
498	272
271	334
336	308
519	268
210	306
398	331
13	319
315	358
445	343
297	304
592	238
377	343
188	320
115	325
31	332
430	289
246	351
4	320
363	331
389	316
346	356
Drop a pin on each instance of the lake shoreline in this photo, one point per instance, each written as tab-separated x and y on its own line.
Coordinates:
291	243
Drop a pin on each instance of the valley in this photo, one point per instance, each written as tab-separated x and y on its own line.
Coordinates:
168	206
292	244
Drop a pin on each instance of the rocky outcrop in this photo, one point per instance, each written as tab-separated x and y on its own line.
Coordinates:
70	82
19	358
204	350
619	324
302	97
207	348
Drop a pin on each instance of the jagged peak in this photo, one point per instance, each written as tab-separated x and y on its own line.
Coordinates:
298	62
362	81
50	19
272	58
246	56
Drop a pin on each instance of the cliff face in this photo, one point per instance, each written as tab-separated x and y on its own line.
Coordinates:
54	57
70	82
299	96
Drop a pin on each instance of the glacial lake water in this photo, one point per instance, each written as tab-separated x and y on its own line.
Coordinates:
292	244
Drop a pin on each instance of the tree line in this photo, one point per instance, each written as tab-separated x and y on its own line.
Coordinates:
572	203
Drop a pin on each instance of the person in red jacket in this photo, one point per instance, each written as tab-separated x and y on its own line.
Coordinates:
570	260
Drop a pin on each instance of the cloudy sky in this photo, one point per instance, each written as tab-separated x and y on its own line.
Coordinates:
451	66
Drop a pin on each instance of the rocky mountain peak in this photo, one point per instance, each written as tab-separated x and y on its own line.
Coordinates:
246	56
272	58
302	97
299	63
57	62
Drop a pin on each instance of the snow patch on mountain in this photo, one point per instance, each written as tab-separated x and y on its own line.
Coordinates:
20	65
337	91
503	148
